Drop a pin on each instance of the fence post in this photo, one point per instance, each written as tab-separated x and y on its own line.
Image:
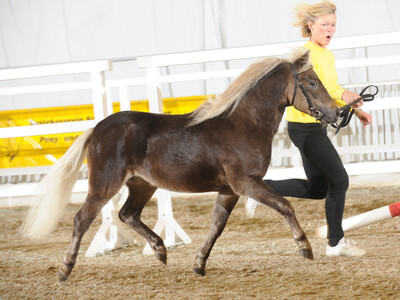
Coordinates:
123	98
154	90
100	106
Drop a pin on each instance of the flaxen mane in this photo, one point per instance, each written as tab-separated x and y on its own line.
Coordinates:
241	85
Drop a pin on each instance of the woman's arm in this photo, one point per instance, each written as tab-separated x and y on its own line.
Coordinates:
363	116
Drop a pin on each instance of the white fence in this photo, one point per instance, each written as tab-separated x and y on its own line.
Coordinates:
102	108
96	84
378	145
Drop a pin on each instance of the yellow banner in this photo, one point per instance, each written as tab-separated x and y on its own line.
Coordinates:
44	150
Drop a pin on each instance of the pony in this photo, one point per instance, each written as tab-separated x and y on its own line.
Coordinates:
223	146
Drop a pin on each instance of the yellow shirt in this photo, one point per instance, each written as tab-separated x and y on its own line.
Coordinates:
324	65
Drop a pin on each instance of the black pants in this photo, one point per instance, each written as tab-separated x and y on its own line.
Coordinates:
326	175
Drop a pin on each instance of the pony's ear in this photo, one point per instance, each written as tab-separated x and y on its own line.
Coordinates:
302	60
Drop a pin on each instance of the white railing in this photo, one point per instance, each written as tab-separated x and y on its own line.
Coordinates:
96	84
286	157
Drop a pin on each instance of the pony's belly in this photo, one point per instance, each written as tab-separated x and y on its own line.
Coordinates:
182	182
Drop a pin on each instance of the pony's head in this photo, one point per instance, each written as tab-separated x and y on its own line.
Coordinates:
308	93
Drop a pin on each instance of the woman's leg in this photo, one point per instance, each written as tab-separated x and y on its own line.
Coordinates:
314	187
320	152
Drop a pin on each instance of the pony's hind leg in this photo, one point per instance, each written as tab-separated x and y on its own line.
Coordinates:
101	190
222	209
140	192
85	216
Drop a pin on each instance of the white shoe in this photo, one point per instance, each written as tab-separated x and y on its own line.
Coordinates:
250	207
344	248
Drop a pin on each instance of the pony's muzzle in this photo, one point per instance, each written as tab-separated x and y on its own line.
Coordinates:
331	117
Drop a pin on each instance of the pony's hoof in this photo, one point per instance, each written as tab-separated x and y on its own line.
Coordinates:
162	257
199	271
61	277
307	253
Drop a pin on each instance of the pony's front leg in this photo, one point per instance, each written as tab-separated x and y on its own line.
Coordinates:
264	194
222	209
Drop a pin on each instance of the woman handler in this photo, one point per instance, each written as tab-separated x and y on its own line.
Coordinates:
326	175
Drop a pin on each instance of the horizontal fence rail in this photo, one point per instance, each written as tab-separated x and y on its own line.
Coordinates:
96	84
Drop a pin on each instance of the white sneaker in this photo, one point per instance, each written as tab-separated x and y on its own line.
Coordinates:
250	207
344	248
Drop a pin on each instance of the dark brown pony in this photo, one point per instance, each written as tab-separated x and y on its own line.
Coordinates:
223	146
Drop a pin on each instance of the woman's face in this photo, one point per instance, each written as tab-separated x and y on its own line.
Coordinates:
323	30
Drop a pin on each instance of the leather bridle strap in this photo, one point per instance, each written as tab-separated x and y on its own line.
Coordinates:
295	83
314	112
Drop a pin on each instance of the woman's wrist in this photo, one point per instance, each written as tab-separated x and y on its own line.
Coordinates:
357	111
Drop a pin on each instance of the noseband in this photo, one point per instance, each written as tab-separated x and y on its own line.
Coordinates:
314	112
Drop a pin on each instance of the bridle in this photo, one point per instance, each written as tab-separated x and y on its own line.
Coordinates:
318	115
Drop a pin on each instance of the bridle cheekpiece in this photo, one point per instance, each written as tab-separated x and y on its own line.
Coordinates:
318	115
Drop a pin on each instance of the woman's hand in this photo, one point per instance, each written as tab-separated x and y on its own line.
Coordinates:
363	116
349	97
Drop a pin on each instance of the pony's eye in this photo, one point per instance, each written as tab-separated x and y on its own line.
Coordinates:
314	83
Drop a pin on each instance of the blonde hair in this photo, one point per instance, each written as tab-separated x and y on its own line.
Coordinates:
306	13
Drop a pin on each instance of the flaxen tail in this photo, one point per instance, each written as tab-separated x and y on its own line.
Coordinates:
54	190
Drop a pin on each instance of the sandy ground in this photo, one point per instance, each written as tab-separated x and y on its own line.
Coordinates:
254	258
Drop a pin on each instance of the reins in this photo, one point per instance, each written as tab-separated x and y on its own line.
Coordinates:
346	112
314	112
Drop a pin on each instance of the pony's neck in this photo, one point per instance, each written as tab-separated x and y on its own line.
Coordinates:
263	106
